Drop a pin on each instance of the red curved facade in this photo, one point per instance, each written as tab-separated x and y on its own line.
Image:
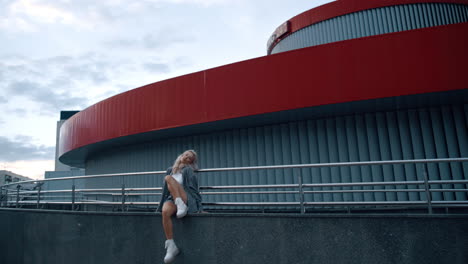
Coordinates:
343	7
404	63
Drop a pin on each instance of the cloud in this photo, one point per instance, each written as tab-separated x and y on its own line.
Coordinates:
41	12
166	38
16	24
156	67
121	43
29	15
32	15
51	100
200	2
59	82
85	71
20	148
181	62
90	67
162	39
21	69
71	82
21	112
34	169
35	15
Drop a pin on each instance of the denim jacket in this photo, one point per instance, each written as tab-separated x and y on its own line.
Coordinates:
190	185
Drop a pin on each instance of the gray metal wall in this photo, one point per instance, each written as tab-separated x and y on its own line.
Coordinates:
434	132
61	185
374	22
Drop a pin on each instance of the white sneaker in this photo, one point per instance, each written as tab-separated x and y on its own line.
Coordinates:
181	207
171	251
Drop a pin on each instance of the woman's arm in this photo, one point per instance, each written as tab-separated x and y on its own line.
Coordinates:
192	185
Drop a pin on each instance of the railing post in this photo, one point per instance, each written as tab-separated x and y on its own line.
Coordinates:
18	187
123	197
6	197
73	198
1	196
427	188
301	193
38	196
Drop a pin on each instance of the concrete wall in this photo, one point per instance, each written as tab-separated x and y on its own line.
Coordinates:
29	236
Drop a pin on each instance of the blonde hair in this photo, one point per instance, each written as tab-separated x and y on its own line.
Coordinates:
178	165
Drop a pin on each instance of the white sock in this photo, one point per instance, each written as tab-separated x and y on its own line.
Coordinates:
178	200
170	242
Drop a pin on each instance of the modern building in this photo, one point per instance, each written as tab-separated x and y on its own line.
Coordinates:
62	170
64	116
7	177
352	80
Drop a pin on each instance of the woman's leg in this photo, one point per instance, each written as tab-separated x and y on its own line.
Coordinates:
169	208
172	251
175	188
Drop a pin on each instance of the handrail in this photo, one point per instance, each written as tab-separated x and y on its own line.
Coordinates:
293	166
87	177
297	189
340	164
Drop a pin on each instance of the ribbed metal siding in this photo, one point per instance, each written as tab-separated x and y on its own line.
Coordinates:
61	185
374	22
437	132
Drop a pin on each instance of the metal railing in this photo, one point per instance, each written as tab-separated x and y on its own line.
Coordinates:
15	197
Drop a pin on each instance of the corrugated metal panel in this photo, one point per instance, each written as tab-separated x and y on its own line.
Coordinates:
436	132
61	185
374	22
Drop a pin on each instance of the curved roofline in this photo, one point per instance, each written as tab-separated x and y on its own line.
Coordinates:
413	62
335	9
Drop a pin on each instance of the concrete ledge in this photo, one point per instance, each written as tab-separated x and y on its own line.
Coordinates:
39	236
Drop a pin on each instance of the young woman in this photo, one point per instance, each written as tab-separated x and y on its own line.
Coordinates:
180	196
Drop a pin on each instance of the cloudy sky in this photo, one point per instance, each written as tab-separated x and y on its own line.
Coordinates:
69	54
